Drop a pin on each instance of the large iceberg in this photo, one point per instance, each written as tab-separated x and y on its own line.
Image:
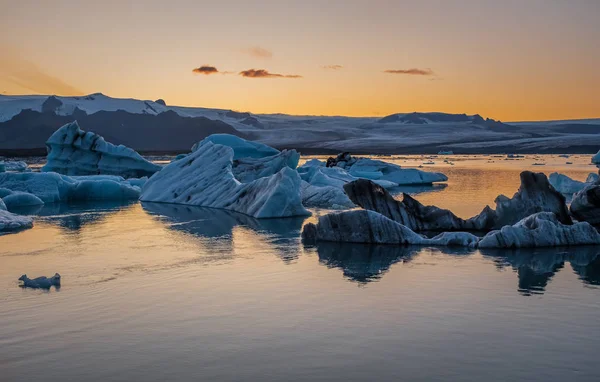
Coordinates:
11	222
205	178
362	226
51	187
71	151
241	147
541	230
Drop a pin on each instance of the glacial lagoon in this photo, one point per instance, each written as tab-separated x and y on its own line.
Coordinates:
158	292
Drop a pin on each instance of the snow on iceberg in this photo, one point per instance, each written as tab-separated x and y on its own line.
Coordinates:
11	222
241	147
51	187
362	226
21	199
541	230
205	178
71	151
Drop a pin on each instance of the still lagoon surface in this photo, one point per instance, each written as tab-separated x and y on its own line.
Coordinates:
157	292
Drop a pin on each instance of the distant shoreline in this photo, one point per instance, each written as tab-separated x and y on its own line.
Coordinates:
424	150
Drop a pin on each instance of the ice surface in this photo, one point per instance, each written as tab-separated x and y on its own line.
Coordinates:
71	151
11	222
42	282
2	205
241	147
585	205
205	178
564	184
21	199
362	226
596	158
251	168
51	187
379	170
541	230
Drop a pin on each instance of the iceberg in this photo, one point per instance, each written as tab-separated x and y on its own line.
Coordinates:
10	222
362	226
21	199
329	197
51	187
42	282
241	147
585	205
71	151
412	214
377	170
566	185
205	178
596	158
14	166
541	230
592	178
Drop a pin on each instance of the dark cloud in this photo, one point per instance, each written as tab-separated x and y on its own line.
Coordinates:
412	71
262	73
333	67
259	52
206	70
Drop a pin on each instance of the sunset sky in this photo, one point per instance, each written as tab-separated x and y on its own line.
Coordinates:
510	60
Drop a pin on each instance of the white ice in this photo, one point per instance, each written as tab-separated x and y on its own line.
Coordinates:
241	147
205	178
11	222
71	151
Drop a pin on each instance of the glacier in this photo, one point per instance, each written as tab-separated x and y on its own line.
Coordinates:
71	151
205	178
10	222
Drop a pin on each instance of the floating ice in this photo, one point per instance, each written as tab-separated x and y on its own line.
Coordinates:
541	230
51	187
21	199
596	158
205	178
11	222
362	226
585	205
564	184
241	147
42	282
14	166
71	151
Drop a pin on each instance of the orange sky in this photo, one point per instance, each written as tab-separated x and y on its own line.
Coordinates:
509	60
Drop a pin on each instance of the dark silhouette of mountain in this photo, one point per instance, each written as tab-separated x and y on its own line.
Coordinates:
165	132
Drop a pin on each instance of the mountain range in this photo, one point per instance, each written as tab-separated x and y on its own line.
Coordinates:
156	127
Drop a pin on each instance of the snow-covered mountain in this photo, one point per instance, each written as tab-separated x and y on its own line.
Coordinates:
155	126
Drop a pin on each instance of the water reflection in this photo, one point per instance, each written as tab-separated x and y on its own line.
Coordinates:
282	235
536	267
72	217
363	263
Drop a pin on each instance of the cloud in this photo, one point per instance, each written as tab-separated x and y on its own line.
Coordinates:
412	71
262	73
206	70
257	51
333	67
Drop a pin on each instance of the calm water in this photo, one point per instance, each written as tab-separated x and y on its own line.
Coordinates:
157	292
